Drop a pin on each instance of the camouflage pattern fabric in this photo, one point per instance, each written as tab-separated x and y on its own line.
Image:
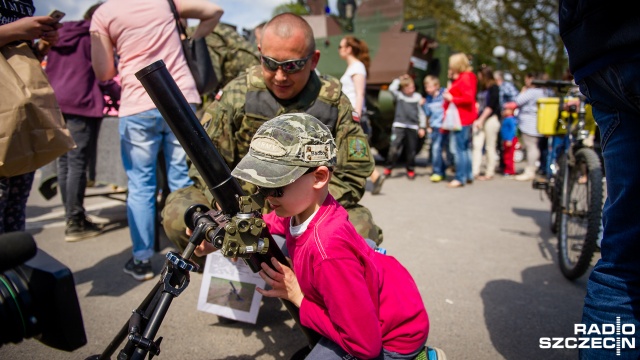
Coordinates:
284	148
231	54
231	129
173	216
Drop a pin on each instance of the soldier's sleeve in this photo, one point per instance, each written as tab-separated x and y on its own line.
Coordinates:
355	162
218	121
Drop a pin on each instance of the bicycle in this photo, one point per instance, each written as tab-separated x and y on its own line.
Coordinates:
575	184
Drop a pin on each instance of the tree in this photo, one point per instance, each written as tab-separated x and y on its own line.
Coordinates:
297	7
528	29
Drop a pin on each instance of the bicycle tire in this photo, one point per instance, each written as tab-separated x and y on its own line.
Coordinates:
581	211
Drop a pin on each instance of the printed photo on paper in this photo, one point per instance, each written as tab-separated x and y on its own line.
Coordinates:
229	289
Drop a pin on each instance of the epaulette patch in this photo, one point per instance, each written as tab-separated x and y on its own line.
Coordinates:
358	149
205	119
218	95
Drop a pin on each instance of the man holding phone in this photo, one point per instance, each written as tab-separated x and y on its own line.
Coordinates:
20	26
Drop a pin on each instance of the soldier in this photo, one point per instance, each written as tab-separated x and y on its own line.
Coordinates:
231	55
282	85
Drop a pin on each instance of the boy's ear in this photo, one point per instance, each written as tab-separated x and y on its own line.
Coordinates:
322	176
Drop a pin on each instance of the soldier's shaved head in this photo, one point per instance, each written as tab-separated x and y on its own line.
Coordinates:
287	24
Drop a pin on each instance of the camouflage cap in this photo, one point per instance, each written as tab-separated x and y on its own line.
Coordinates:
284	148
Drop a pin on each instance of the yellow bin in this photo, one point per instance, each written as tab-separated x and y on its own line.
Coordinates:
548	123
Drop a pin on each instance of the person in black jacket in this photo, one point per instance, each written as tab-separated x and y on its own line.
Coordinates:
486	128
603	43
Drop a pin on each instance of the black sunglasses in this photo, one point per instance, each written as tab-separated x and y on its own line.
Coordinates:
279	191
289	66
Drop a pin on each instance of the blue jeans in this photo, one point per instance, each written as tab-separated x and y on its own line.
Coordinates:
559	145
613	289
460	146
72	166
439	141
142	136
326	349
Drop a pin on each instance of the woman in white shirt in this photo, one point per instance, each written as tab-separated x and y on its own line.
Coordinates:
354	81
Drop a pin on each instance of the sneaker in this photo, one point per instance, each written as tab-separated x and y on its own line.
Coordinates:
411	174
387	172
434	353
377	185
525	176
79	229
140	270
435	178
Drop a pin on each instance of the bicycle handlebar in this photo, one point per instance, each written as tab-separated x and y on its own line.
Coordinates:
554	83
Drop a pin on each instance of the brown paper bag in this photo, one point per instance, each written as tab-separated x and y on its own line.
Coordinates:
32	129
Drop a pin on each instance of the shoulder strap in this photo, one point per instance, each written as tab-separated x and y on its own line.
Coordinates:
181	28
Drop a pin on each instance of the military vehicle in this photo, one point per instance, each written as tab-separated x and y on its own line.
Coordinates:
397	46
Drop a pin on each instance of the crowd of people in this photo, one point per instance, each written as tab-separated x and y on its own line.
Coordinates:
104	47
247	118
483	144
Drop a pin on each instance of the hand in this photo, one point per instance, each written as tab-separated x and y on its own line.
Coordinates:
50	37
421	133
447	96
35	27
508	143
204	248
283	282
478	125
571	102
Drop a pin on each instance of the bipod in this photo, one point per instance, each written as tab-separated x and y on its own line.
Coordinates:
144	323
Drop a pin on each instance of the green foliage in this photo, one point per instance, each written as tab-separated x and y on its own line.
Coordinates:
295	7
528	29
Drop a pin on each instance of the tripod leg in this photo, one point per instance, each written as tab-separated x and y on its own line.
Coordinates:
124	331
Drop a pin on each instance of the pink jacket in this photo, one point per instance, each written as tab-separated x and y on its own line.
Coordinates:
360	299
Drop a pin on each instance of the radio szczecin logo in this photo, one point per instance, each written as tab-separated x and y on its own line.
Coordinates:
607	336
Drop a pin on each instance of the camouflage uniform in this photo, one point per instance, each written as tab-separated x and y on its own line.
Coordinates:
244	105
231	54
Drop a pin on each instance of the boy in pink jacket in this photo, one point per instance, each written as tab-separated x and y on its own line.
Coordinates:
363	303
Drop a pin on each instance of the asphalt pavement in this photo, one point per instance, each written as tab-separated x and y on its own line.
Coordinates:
482	255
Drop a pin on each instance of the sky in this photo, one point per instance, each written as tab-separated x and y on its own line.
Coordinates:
235	11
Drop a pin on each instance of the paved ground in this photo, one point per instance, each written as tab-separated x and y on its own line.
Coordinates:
482	255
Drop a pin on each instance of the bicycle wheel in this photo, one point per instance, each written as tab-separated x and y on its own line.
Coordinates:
580	214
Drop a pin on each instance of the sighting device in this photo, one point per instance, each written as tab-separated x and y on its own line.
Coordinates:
236	229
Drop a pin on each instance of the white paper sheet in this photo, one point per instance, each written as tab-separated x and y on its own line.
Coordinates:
229	289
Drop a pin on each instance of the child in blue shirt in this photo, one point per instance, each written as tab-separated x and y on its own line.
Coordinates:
509	137
434	110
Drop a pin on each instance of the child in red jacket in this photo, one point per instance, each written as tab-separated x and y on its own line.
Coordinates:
508	132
